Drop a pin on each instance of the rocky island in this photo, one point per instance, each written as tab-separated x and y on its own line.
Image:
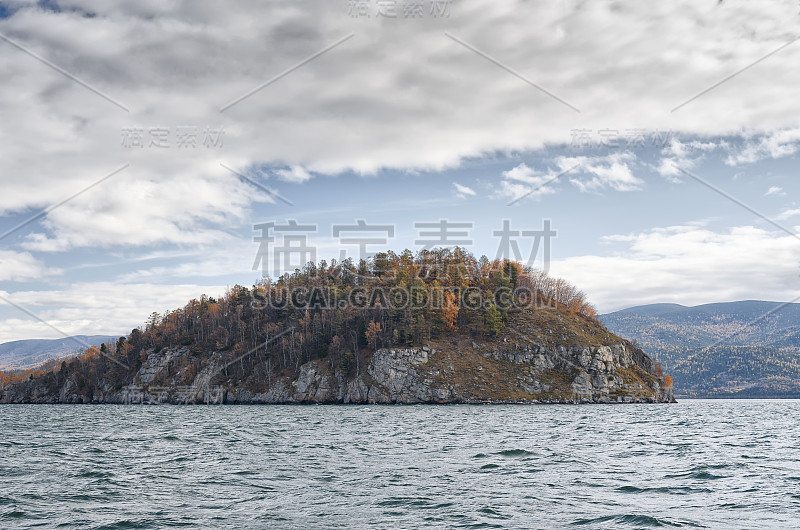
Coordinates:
438	327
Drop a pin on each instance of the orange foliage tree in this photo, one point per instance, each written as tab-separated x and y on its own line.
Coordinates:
372	334
450	312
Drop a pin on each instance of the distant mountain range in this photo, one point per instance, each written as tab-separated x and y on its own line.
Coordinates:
24	354
741	349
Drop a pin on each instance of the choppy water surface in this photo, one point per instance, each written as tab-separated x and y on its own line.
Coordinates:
717	464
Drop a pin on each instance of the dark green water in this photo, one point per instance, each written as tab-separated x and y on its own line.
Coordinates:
715	464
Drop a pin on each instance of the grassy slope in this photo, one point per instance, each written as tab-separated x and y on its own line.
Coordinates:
458	363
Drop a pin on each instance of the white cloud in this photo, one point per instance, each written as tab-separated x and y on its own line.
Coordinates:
132	209
463	191
93	308
524	181
607	172
688	265
667	167
685	155
392	96
294	174
22	266
775	190
775	144
788	214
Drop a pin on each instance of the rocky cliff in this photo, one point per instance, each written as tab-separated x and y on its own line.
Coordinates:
504	371
604	374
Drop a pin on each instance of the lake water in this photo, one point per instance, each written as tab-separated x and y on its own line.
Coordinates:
703	463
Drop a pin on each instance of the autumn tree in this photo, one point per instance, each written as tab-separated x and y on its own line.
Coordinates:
450	312
372	334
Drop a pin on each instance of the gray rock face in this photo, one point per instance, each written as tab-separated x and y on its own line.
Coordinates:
532	374
401	376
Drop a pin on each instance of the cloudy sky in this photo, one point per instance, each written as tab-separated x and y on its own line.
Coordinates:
141	143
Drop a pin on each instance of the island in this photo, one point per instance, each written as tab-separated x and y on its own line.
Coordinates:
439	326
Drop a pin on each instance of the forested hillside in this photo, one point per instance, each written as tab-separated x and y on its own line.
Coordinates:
748	349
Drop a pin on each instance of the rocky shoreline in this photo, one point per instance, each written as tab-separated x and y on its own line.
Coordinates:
480	374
